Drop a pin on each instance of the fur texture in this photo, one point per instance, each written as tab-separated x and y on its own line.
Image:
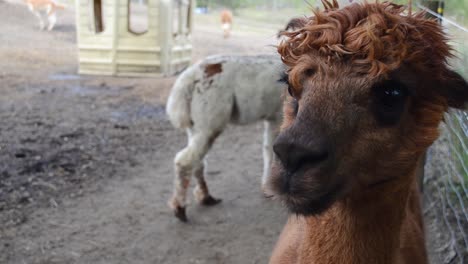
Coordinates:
368	87
209	95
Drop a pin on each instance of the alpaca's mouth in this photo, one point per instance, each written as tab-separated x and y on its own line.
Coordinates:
311	203
308	191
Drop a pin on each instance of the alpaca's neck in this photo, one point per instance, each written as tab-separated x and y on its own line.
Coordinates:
367	229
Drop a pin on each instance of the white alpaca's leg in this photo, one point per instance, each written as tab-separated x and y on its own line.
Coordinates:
52	20
41	21
186	161
226	29
268	137
38	15
201	191
183	171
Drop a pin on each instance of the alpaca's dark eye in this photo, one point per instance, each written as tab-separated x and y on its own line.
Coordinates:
392	95
389	101
285	79
290	91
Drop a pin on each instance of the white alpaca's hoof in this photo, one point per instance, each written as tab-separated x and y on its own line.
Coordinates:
210	201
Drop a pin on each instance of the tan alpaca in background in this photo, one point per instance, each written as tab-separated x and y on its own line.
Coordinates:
49	6
226	22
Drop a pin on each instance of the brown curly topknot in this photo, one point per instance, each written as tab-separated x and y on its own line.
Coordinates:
374	37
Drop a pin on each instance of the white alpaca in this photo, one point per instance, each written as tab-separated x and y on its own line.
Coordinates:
209	95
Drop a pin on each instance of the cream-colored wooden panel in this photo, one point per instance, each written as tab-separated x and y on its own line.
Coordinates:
86	68
91	55
183	48
122	69
150	49
93	46
141	74
138	56
120	52
136	42
153	13
135	62
148	35
98	41
123	11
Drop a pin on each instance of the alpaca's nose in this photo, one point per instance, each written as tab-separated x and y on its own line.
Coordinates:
295	156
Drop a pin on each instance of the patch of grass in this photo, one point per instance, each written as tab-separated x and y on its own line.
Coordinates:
457	126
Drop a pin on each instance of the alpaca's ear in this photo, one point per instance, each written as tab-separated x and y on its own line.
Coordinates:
296	23
455	89
293	24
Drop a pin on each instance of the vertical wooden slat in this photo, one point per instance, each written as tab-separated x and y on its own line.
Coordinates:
98	24
115	35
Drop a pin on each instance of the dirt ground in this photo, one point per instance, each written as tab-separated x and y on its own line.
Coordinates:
86	162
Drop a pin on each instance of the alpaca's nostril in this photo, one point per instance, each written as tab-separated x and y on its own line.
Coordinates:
281	150
294	156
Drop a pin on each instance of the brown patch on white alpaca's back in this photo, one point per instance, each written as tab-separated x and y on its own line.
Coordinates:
213	69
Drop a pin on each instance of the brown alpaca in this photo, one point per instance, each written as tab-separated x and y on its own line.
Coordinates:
368	88
226	22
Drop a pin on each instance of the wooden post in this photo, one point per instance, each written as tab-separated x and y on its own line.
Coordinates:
166	34
98	24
